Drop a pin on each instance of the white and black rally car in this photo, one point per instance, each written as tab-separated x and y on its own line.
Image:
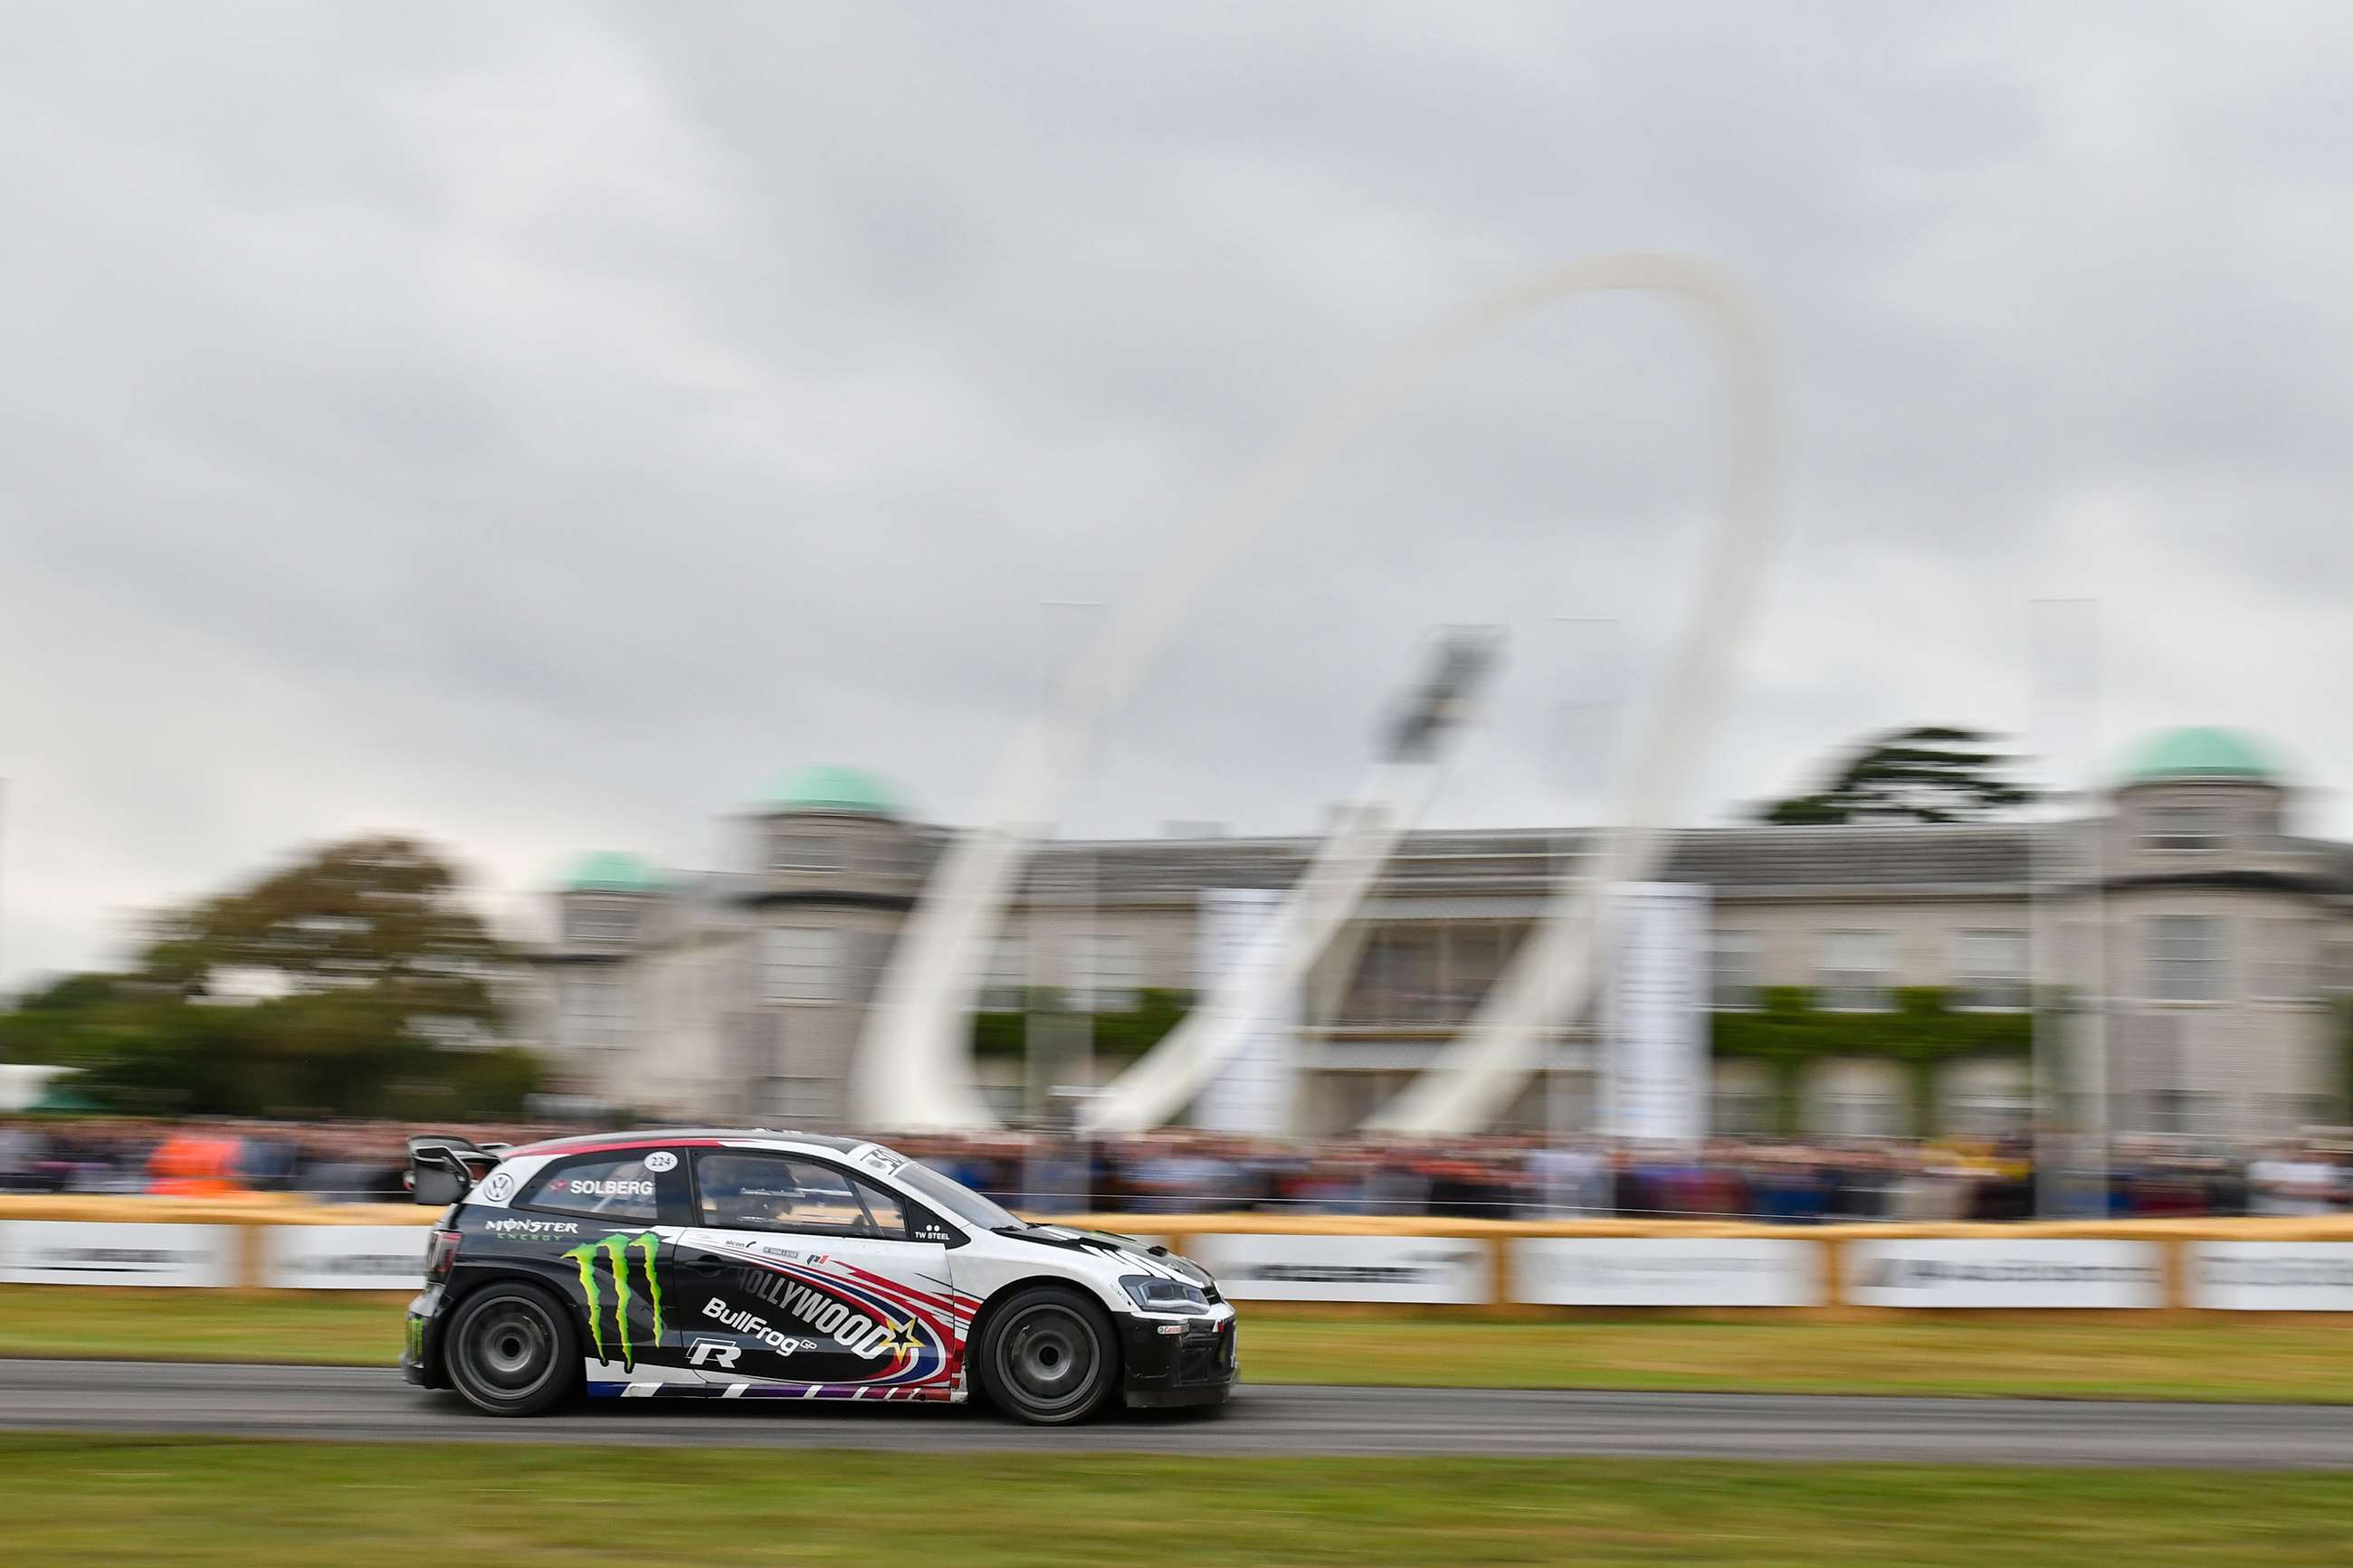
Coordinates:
757	1264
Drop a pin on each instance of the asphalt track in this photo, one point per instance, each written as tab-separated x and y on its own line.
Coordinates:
368	1404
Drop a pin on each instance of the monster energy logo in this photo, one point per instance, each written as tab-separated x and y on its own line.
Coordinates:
616	1251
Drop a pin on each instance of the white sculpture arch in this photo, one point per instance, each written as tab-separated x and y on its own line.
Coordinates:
913	1072
1160	1084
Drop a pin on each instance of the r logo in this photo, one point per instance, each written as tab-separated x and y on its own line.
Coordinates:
701	1352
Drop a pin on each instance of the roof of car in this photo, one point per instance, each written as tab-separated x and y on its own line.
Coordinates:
641	1137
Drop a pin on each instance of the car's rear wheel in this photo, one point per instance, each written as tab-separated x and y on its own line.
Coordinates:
512	1351
1050	1358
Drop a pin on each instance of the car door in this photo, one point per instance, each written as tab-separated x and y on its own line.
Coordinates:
800	1274
591	1224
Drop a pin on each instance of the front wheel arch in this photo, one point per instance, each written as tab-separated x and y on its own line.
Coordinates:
1011	1305
996	1299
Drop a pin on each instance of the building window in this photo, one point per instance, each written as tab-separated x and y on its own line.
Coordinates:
1472	958
1990	973
1858	970
599	920
2182	828
1743	1111
2185	958
883	855
1005	985
590	1011
2081	974
798	849
1107	971
799	964
1859	1113
2337	972
2180	1112
1397	981
1731	970
2286	962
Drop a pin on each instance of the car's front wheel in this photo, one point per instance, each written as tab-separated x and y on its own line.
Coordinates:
1048	1357
511	1351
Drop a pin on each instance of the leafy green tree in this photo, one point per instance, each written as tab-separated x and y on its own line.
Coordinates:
1932	774
60	1022
352	982
377	915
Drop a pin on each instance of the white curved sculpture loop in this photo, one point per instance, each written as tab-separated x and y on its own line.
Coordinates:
1169	1076
913	1070
1157	1088
1552	976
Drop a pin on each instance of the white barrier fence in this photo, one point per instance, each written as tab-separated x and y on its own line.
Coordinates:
1404	1268
342	1257
1986	1272
1666	1271
1911	1273
2270	1276
294	1256
75	1252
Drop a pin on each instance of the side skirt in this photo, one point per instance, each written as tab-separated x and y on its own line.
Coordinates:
867	1392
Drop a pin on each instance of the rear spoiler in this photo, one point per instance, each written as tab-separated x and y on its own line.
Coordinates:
442	1166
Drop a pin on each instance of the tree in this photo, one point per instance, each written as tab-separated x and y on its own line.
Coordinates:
377	916
353	982
1932	774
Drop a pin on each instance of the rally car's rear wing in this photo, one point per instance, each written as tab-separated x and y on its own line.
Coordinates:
441	1166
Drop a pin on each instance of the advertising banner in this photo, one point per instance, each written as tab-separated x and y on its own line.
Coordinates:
78	1252
1250	1095
1991	1272
2270	1276
345	1256
1655	1014
1347	1267
1665	1271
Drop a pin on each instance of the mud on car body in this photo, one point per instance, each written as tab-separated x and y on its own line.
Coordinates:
759	1264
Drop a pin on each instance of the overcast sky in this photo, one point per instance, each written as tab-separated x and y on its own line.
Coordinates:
542	428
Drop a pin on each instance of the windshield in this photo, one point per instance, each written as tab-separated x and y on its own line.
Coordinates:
955	1197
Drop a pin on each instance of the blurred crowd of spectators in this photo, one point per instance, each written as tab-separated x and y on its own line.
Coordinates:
343	1161
1506	1177
1493	1177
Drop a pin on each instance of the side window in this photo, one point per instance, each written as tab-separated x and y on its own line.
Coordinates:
604	1186
888	1222
776	1192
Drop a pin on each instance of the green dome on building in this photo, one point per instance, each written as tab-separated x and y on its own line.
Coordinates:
834	789
609	871
2200	753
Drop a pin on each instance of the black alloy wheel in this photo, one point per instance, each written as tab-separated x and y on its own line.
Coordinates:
512	1352
1050	1359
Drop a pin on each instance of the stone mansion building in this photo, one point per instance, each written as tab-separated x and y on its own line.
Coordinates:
2199	943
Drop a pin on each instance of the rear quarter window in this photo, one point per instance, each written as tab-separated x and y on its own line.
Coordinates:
599	1186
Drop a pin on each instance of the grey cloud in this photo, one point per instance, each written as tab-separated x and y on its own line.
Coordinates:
542	427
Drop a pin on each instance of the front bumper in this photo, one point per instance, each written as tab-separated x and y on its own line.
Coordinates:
420	1346
1179	1361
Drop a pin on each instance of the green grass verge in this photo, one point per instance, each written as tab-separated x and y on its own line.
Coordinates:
2302	1360
111	1502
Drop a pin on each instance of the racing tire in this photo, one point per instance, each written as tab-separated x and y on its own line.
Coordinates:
1048	1357
512	1351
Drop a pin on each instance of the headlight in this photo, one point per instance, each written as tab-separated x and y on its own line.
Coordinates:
1154	1294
